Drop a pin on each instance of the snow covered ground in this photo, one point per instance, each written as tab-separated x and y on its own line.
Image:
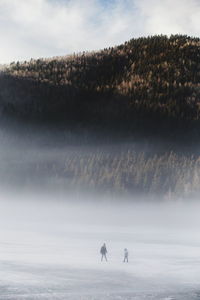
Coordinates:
49	249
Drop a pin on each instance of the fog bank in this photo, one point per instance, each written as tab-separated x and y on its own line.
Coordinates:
50	249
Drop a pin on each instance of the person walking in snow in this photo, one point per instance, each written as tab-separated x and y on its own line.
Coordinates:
125	255
103	252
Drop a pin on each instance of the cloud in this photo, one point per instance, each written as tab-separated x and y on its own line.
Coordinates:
170	16
43	28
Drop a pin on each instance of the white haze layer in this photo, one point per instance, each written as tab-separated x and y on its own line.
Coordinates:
49	248
43	28
50	240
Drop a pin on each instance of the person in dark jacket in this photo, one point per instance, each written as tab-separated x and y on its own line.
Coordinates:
125	255
103	252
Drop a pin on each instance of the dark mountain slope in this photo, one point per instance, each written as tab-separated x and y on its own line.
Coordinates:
147	84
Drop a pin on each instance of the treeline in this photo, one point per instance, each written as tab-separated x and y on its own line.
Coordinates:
127	172
146	83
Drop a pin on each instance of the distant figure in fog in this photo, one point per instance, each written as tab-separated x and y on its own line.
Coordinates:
125	255
103	252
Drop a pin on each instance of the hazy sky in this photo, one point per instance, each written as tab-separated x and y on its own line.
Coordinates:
41	28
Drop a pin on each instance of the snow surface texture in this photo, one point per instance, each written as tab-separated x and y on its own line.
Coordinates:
49	249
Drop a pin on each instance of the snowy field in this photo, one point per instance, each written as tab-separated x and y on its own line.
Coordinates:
49	249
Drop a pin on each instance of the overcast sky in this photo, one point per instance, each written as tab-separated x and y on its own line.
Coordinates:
44	28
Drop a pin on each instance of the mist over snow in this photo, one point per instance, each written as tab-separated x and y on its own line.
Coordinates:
43	28
50	248
50	238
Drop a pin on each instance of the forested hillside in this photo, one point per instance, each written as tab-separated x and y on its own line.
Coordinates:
145	84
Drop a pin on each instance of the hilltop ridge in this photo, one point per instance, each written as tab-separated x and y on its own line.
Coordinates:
144	83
